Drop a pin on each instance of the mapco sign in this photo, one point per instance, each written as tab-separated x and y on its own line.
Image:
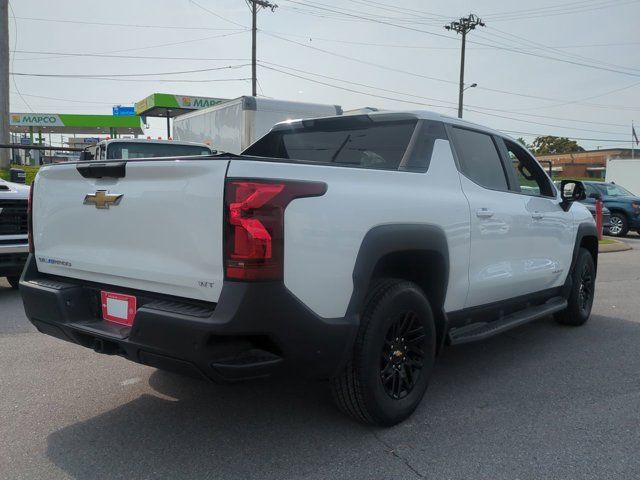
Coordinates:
35	120
197	102
169	105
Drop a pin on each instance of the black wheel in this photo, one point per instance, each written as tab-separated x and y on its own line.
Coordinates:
582	291
619	226
14	282
387	375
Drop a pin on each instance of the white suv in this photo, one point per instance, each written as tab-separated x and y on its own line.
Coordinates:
349	248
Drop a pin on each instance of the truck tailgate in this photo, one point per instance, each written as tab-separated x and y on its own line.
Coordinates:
163	234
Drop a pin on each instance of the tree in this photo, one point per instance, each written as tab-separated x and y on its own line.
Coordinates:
553	145
523	142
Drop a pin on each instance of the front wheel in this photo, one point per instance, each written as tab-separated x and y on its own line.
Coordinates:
14	282
618	225
582	291
387	375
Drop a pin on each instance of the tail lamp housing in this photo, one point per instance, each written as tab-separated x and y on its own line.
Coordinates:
254	225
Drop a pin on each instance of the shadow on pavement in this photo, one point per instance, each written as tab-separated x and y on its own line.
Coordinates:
519	405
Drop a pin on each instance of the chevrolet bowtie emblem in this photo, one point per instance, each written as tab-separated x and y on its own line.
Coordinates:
102	199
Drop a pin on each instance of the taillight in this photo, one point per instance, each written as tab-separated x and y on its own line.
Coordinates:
30	219
254	225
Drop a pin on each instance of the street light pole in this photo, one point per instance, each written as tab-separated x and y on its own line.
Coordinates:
463	26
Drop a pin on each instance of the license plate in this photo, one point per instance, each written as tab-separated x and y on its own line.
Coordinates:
118	308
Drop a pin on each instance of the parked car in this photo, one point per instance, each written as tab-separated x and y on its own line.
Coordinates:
624	206
590	204
14	246
345	248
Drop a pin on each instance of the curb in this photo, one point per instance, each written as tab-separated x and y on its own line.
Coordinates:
617	246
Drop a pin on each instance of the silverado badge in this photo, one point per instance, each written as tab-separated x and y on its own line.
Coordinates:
102	199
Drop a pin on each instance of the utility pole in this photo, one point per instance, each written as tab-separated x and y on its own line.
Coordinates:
4	82
254	30
463	26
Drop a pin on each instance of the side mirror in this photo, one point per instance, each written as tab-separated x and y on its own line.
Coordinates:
571	191
595	196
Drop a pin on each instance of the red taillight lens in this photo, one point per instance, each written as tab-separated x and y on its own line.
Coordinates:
30	219
254	243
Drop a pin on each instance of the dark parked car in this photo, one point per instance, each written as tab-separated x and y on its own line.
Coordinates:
624	206
590	203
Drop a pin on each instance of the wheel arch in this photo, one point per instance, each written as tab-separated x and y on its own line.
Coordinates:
413	252
586	237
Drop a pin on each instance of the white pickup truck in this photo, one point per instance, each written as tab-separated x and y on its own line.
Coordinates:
14	247
346	248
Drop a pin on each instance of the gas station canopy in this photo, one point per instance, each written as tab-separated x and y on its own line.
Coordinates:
168	105
74	124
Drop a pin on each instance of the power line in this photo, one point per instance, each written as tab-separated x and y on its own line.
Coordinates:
270	66
132	25
113	75
417	75
504	48
170	44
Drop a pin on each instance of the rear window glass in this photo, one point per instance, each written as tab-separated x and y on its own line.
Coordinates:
149	150
348	142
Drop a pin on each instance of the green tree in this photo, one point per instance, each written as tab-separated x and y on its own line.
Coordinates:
523	142
550	145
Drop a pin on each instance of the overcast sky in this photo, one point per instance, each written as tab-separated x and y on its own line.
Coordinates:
350	52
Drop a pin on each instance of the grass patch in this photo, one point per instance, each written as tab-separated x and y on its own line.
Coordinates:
30	172
606	241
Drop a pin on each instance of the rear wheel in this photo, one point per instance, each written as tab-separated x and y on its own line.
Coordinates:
387	375
14	282
618	225
582	291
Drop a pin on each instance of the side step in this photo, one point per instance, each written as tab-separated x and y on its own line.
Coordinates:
481	331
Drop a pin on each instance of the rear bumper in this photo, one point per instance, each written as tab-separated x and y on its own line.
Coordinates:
255	330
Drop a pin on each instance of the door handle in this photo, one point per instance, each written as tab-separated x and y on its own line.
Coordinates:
537	215
484	213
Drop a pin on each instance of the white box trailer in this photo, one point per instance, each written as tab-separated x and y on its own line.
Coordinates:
234	125
625	172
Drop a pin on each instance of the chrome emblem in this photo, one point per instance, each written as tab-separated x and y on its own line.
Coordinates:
102	199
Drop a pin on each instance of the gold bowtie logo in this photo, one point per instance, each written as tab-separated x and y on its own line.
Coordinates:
102	199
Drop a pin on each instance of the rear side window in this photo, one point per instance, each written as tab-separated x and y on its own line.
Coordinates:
130	150
479	158
346	141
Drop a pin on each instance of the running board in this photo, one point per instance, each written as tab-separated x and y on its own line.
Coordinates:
476	332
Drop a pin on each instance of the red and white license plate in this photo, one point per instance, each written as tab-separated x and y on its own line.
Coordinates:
118	308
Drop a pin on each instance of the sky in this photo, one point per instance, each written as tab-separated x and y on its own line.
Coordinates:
554	67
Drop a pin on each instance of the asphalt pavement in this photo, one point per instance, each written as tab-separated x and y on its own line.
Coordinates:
540	402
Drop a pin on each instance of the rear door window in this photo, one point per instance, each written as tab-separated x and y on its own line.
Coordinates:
357	142
479	158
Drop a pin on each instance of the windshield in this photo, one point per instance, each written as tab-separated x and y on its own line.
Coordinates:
347	141
126	150
613	190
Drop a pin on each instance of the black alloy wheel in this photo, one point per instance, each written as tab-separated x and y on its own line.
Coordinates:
402	355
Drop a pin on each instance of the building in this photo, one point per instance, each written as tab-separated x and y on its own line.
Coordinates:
587	164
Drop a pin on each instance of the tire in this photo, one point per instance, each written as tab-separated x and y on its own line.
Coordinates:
582	291
619	226
385	380
14	282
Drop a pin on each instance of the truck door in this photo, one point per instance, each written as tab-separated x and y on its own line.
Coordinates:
499	238
548	253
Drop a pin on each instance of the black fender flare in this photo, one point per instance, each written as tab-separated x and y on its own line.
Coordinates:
585	230
387	239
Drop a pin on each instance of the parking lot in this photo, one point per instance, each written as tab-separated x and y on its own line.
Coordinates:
542	401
